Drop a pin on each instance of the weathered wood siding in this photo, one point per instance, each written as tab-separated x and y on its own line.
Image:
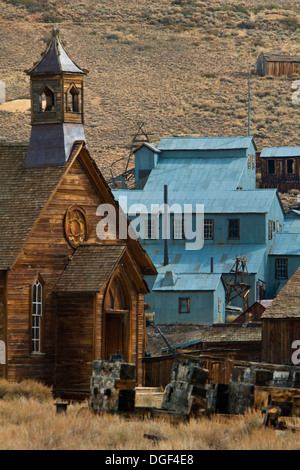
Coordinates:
70	322
2	315
276	69
75	342
281	179
46	253
277	338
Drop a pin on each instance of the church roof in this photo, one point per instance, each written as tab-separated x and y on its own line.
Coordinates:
90	267
25	191
55	59
23	194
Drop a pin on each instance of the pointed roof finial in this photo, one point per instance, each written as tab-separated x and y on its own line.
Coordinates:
55	59
55	31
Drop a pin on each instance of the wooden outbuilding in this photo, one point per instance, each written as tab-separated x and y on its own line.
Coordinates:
281	324
275	65
280	168
67	297
220	342
253	313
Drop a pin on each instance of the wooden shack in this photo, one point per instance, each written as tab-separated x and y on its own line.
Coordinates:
253	313
275	65
219	342
67	297
281	323
280	168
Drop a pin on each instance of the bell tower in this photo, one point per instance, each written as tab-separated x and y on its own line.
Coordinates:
57	114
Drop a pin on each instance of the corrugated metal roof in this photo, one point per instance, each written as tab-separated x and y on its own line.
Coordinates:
150	146
188	282
204	143
196	174
286	244
182	261
256	201
280	152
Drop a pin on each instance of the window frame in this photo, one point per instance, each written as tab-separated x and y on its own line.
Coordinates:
37	319
287	166
230	237
49	100
73	94
212	229
270	229
180	300
268	168
285	260
151	228
175	231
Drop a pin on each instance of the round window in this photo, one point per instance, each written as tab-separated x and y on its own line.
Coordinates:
76	226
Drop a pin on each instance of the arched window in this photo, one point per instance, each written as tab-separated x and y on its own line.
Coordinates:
37	315
72	100
46	100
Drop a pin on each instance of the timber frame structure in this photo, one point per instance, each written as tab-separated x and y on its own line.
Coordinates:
67	295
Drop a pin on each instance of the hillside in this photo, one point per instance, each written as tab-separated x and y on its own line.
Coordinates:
179	66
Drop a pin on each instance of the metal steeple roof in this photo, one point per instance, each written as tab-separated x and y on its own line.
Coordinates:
55	59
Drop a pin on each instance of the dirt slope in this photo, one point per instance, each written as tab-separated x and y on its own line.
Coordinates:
180	66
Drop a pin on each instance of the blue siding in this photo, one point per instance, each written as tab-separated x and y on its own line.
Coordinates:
208	171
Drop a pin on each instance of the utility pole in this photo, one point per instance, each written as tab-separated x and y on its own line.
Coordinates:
249	101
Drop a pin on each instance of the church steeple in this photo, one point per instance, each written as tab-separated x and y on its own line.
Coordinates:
56	106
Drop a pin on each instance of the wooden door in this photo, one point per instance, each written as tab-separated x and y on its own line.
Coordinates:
114	334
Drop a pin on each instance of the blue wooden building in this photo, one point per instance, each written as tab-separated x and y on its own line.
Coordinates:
249	247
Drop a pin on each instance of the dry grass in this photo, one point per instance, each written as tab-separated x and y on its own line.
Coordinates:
29	423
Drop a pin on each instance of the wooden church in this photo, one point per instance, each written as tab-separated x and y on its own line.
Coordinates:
66	296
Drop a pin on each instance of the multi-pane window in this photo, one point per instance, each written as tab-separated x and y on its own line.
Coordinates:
234	229
281	268
208	229
184	305
37	312
151	227
178	229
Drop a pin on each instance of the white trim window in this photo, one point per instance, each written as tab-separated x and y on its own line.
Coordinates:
37	312
178	228
151	228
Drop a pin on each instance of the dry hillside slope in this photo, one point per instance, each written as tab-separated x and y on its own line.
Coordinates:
180	66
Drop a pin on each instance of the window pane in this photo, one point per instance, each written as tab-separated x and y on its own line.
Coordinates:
208	229
37	297
281	271
234	228
184	305
271	167
290	166
178	229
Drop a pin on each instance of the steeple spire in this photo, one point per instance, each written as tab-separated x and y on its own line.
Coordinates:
56	105
55	59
